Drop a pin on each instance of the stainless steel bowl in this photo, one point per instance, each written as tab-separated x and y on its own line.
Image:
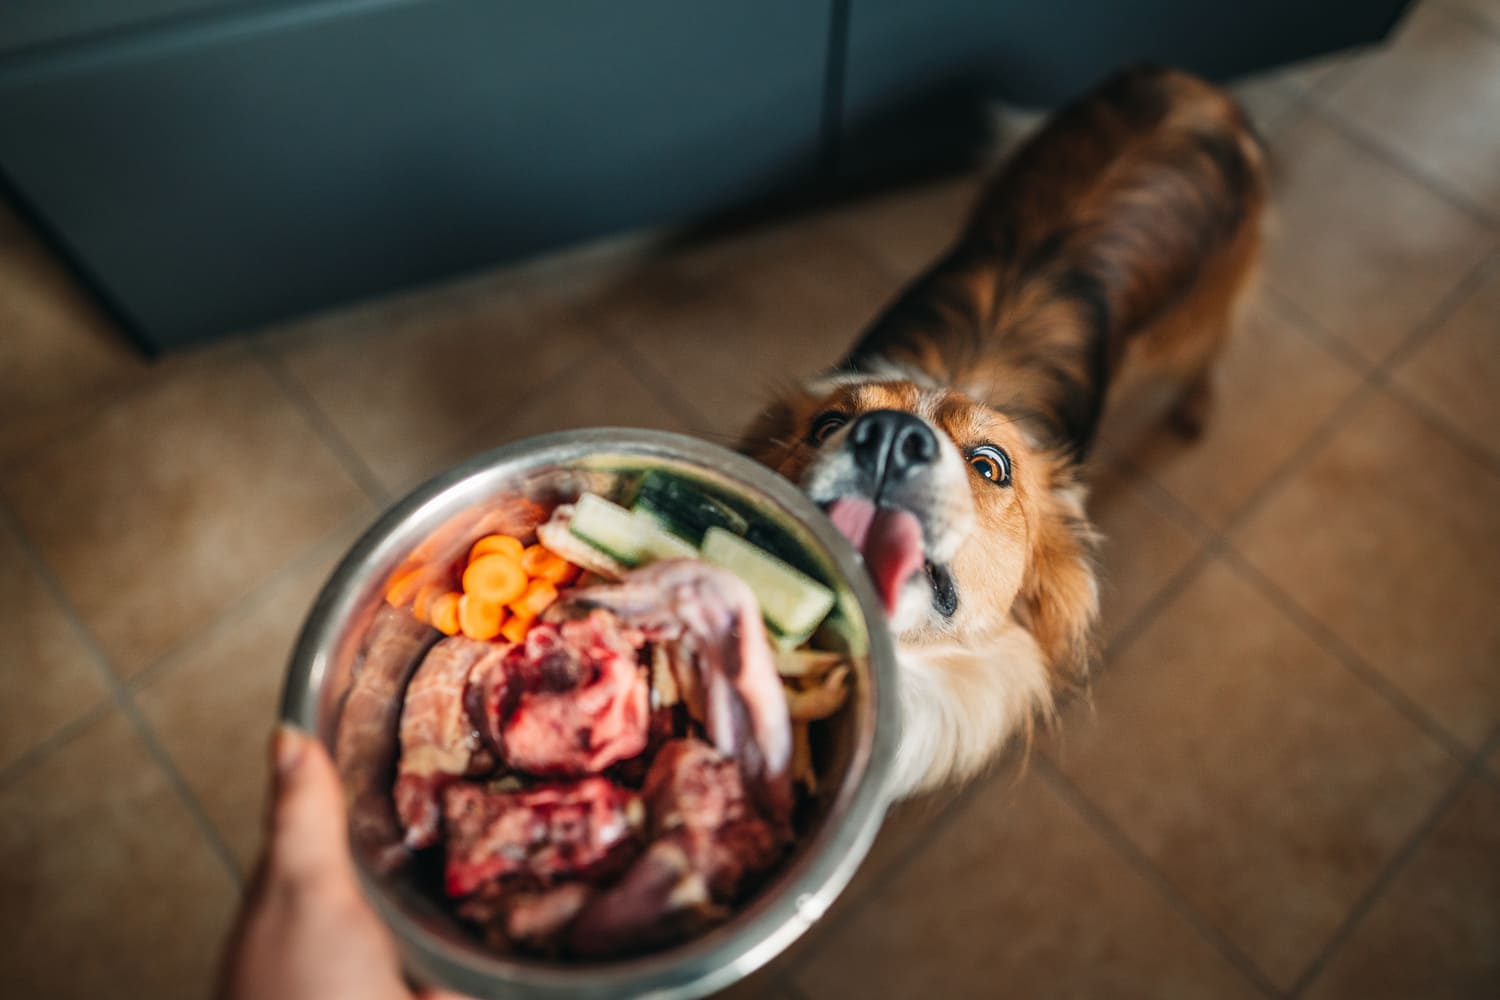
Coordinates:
855	757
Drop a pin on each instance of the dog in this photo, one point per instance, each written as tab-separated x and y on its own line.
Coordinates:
949	444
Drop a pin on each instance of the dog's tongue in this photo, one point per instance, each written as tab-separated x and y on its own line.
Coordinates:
890	540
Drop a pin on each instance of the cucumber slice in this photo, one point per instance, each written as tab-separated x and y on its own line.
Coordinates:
684	508
792	602
624	535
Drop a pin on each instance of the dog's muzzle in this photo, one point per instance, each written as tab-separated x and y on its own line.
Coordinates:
889	447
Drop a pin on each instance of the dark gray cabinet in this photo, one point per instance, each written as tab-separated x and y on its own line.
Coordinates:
211	165
249	170
916	72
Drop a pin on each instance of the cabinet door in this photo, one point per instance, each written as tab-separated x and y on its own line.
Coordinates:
249	169
27	23
917	72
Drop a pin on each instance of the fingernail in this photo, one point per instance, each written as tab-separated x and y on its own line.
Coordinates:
287	748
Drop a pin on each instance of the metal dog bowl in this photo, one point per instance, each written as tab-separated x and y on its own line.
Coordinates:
504	490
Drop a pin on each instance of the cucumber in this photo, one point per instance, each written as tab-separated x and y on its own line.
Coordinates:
624	535
684	508
792	602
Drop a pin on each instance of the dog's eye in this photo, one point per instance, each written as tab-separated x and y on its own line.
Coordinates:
825	424
992	463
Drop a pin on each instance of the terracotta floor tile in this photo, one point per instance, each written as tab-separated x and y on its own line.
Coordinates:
1318	76
1389	537
1486	12
60	357
1435	933
1267	783
909	229
1274	386
733	322
407	383
1495	762
47	674
1143	549
166	507
604	390
1457	368
214	703
107	887
1018	896
1368	276
1434	97
1269	99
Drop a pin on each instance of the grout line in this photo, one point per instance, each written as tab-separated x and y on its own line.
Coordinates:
242	607
897	866
1449	304
121	696
1369	141
1168	593
1456	435
647	372
1304	323
1351	660
70	731
322	425
1137	860
1382	881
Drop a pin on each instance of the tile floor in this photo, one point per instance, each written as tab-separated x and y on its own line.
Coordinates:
1286	780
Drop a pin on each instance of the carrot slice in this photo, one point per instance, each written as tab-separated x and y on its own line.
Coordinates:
444	612
539	594
515	628
503	545
541	562
421	605
478	618
404	586
495	578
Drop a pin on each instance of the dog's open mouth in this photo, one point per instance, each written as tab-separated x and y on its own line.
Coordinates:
890	539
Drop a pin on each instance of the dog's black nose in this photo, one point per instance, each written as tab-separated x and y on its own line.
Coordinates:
890	444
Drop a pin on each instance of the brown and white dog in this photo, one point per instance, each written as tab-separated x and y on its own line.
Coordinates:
947	444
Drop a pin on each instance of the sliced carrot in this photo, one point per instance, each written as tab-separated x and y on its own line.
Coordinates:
495	578
444	612
503	545
541	562
539	594
421	605
516	627
404	586
478	618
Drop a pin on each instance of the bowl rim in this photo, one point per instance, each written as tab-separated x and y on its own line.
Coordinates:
806	888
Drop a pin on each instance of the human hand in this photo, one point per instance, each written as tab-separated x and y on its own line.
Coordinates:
305	931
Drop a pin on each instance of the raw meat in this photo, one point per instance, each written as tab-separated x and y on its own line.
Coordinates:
365	747
707	842
439	741
571	700
711	624
538	837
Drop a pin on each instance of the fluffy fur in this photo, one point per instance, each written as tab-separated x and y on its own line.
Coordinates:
1121	238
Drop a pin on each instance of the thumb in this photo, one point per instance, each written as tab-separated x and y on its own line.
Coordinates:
308	837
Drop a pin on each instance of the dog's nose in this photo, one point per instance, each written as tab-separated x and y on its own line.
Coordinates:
890	444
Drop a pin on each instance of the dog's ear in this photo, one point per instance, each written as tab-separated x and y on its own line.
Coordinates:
1059	598
773	436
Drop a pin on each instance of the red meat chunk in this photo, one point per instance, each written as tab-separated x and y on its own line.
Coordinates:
439	742
707	841
571	700
539	836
